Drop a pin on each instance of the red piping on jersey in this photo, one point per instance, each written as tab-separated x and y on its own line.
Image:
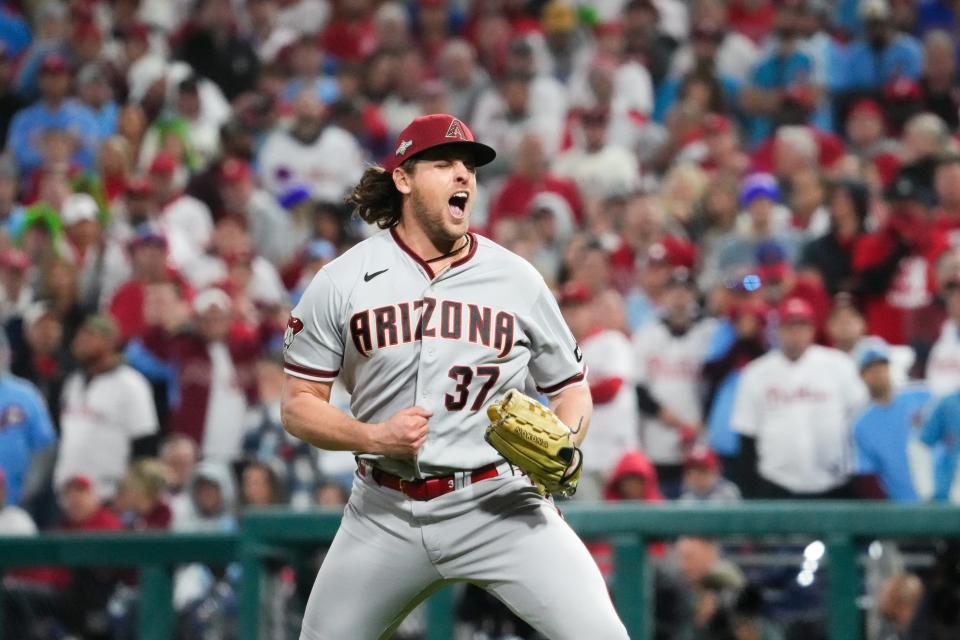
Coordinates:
470	252
423	263
413	254
556	387
317	373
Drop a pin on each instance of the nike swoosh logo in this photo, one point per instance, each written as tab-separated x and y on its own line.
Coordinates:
578	354
367	277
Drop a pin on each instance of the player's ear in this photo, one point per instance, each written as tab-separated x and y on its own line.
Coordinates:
401	180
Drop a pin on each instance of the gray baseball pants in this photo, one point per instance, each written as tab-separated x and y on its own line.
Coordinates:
391	552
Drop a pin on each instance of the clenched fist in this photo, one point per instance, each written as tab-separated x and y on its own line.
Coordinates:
402	435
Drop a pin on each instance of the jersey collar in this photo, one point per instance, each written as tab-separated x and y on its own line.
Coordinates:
423	263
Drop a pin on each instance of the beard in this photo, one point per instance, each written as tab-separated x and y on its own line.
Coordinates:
442	235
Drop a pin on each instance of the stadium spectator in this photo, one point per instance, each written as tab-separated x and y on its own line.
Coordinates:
267	441
600	166
894	265
884	432
107	415
899	603
41	358
881	55
831	254
179	215
55	110
27	437
668	355
464	80
180	455
323	158
946	183
943	365
261	486
940	432
739	339
793	410
213	496
735	54
14	521
142	496
213	353
607	355
702	481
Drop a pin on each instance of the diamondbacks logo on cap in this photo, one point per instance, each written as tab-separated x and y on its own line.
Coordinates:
402	149
455	130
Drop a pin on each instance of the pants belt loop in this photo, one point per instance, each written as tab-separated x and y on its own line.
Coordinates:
462	479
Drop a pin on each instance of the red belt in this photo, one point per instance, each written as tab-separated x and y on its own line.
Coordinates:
425	488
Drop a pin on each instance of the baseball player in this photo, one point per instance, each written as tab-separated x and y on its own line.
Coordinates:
426	324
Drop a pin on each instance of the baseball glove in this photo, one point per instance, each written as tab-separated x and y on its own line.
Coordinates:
531	437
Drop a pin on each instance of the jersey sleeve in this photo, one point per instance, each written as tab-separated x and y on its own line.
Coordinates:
865	460
556	362
934	426
313	342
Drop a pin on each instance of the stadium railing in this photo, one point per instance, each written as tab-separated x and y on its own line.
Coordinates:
288	535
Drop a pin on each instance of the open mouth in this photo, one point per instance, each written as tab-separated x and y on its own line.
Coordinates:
458	204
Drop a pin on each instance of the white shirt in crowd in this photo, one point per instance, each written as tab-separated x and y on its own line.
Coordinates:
99	420
800	414
613	427
669	366
608	171
14	521
188	221
226	408
943	365
327	167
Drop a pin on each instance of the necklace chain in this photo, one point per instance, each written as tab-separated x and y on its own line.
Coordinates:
452	252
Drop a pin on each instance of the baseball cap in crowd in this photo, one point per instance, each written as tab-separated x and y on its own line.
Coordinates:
163	164
321	250
701	457
54	63
772	264
211	298
759	185
574	293
78	481
558	16
294	196
905	189
15	260
902	89
437	130
234	171
140	186
673	252
79	207
795	311
865	107
876	352
103	324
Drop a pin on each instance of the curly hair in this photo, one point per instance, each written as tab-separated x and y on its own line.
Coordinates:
376	198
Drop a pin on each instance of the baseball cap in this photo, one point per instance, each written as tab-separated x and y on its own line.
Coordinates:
865	107
873	354
574	293
78	481
15	260
140	186
795	310
558	16
701	457
905	189
437	130
210	298
147	237
163	164
234	171
759	185
54	63
79	207
772	263
903	88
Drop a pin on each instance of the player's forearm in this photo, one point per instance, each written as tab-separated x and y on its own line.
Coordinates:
574	407
307	414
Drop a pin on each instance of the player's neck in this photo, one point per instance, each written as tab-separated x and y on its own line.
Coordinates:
429	248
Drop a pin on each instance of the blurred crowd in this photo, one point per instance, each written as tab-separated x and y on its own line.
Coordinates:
749	210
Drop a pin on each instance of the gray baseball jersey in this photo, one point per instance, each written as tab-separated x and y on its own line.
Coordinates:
398	335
